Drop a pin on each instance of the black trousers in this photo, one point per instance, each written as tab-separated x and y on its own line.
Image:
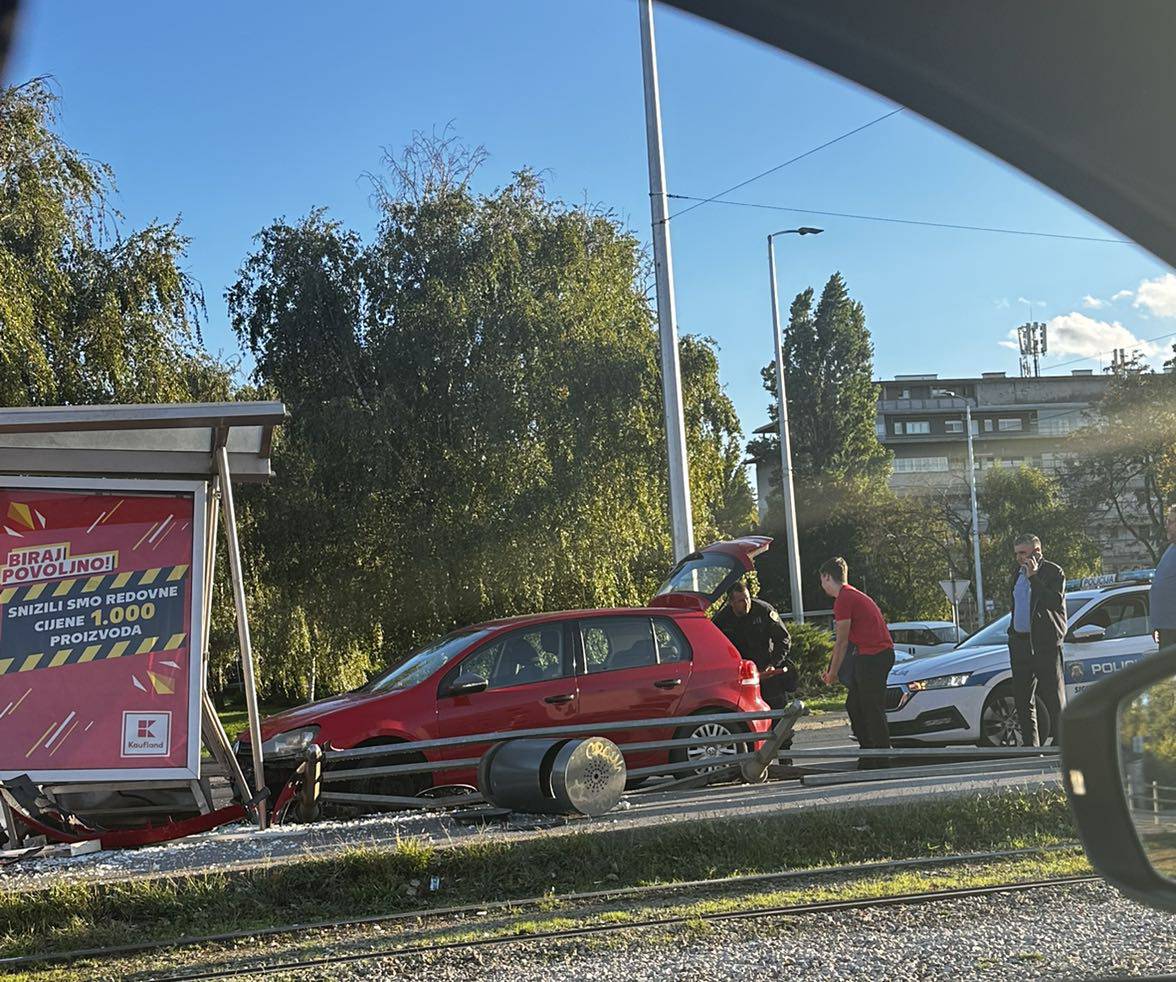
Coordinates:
1037	672
866	704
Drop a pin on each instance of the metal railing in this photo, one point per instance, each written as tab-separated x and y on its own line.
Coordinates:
325	769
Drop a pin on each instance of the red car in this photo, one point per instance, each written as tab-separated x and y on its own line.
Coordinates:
579	666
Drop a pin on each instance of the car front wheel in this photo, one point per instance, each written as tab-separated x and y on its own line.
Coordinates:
999	726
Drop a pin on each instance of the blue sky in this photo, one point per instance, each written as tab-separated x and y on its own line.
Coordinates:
230	115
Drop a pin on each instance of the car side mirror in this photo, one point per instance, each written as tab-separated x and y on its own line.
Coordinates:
467	683
1087	633
1119	769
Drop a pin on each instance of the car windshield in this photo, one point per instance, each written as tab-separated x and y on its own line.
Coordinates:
424	662
947	635
703	574
995	633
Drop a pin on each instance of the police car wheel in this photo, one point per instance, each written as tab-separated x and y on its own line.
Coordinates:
714	753
999	726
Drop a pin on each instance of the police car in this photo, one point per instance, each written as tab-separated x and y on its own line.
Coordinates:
966	695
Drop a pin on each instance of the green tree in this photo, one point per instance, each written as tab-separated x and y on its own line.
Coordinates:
829	367
476	421
89	312
1124	459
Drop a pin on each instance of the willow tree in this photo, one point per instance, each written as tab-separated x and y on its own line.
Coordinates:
90	311
476	424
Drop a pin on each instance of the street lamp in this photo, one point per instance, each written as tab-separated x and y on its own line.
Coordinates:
785	439
980	611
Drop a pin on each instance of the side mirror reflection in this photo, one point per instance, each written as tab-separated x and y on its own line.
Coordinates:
466	684
1147	760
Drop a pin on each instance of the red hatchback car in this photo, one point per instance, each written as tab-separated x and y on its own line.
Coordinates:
580	666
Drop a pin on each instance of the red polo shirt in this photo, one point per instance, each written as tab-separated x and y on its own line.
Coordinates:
867	627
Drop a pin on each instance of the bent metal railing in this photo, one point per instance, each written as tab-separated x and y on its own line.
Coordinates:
321	770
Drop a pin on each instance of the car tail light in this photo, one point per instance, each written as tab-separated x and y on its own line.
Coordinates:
748	673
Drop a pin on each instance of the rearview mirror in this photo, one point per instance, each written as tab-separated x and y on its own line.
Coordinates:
1119	770
1088	632
466	684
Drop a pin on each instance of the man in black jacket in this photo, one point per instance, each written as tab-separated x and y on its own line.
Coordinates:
1036	630
760	636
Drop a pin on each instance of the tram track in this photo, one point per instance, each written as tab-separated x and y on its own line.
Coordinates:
422	917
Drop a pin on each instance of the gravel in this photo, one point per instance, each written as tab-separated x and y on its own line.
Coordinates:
1075	932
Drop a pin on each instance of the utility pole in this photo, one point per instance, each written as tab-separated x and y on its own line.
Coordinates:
785	437
980	609
681	522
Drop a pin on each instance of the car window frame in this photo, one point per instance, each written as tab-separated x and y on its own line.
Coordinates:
582	654
681	635
1084	618
568	666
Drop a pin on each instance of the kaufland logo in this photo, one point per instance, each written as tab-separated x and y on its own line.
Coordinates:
146	734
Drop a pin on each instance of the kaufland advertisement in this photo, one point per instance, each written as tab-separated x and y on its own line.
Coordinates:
99	632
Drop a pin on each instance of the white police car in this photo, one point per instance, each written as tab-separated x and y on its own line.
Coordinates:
966	695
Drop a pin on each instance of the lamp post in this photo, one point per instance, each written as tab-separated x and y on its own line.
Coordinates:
979	581
785	439
681	522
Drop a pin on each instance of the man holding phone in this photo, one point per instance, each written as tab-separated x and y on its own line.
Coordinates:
1036	630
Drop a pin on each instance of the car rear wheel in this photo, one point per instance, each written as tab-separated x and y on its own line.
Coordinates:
712	754
999	726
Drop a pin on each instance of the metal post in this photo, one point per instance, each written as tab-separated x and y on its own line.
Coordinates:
681	521
980	611
1155	803
246	643
785	449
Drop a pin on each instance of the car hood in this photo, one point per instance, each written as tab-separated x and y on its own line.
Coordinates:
952	663
311	713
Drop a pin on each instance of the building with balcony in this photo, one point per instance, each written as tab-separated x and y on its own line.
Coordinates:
1015	421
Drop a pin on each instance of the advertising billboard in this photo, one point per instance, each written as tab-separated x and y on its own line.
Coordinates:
100	628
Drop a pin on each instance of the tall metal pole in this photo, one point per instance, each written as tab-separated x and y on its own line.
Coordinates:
785	449
979	581
681	522
243	637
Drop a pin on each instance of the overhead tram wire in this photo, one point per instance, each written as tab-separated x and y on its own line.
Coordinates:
951	226
699	202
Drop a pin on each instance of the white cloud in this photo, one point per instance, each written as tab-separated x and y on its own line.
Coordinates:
1077	334
1121	295
1093	303
1158	296
1015	346
1002	303
1031	303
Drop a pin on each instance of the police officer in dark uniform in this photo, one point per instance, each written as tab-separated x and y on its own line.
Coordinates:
760	636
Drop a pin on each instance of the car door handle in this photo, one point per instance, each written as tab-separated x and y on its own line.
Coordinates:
668	683
563	697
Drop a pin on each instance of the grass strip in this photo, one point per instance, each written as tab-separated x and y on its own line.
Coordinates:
383	880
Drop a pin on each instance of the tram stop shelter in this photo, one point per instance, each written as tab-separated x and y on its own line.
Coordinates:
109	522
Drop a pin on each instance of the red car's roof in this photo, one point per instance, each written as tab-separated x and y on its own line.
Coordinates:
564	615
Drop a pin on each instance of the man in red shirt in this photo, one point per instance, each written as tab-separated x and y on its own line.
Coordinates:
860	623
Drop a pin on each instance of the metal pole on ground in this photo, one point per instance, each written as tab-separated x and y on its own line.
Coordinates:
681	521
243	637
785	435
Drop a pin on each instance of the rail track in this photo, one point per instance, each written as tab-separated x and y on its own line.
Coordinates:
423	915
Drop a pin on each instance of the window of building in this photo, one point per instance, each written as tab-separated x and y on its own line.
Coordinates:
919	465
953	426
918	426
1007	425
988	426
880	429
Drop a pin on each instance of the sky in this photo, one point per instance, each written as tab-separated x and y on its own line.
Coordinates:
230	115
